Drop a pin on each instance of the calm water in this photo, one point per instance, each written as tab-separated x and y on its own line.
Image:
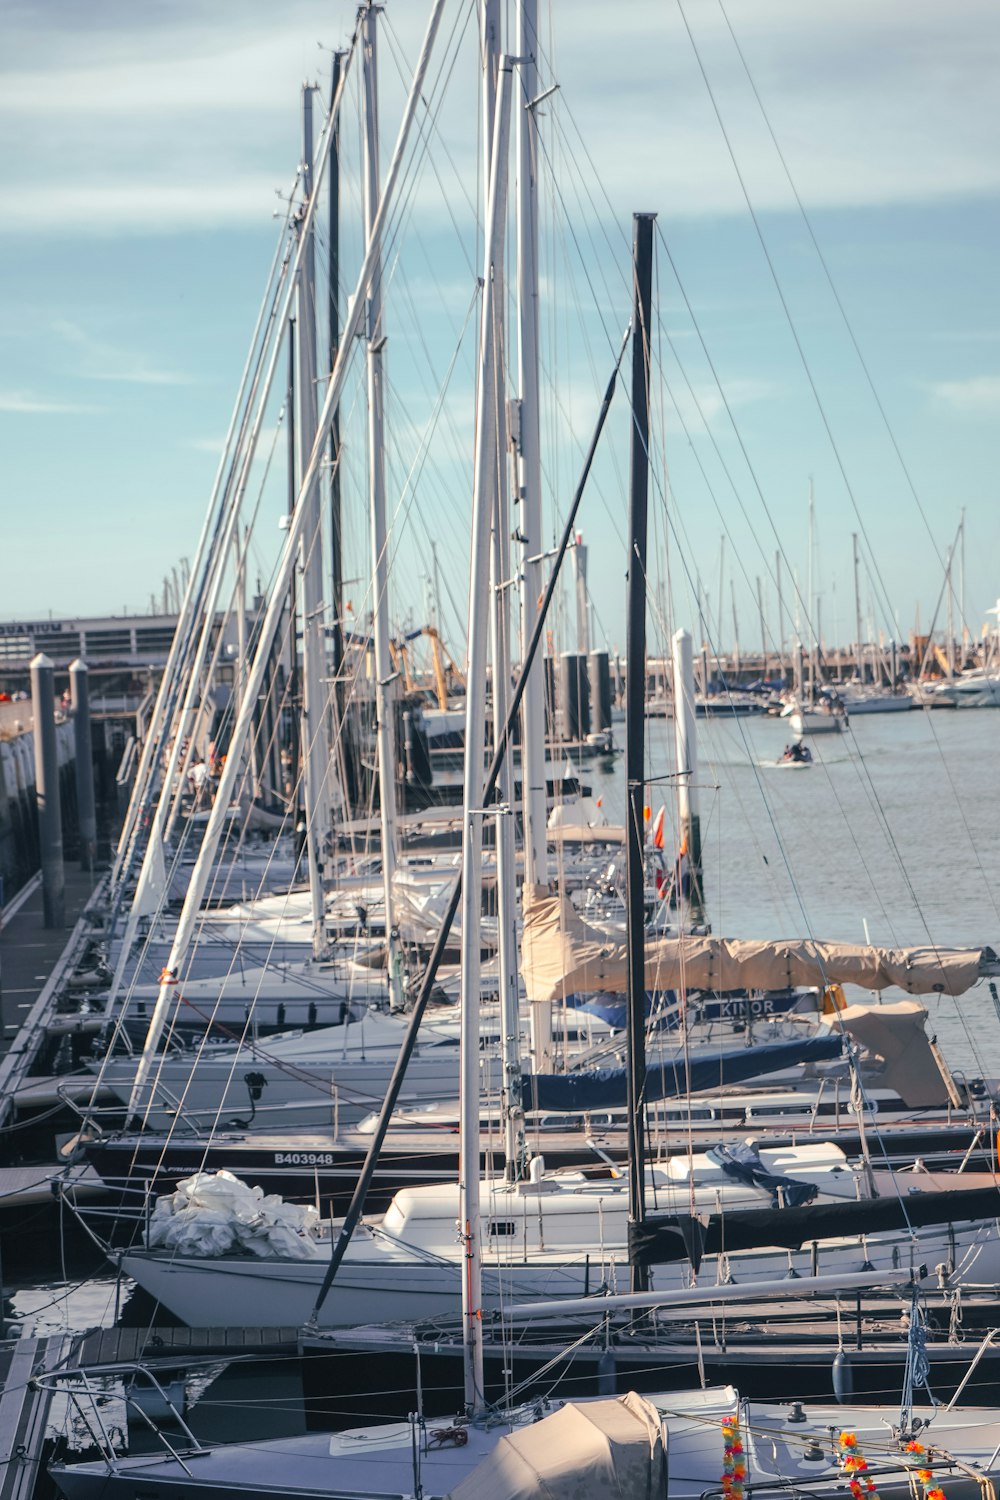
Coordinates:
897	825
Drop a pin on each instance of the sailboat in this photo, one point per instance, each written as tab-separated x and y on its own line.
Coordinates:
547	1237
674	1447
671	1446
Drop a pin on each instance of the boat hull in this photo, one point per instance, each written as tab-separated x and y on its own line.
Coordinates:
399	1285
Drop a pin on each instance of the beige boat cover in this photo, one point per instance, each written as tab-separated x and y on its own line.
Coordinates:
597	1450
561	955
895	1032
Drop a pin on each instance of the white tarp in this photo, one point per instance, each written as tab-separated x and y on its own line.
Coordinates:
214	1213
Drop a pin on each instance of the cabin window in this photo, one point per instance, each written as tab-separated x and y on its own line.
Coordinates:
500	1227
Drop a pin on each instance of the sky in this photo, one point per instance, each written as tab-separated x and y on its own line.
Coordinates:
826	182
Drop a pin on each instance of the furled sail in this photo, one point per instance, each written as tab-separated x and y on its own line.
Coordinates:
562	955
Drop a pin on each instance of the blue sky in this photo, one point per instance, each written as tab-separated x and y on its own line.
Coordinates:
141	148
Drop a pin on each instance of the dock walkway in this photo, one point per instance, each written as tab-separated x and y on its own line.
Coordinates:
24	1409
29	951
35	963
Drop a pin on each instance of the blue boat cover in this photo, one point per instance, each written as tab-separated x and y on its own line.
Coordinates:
605	1088
742	1162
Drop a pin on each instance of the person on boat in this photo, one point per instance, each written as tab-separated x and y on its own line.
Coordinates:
798	753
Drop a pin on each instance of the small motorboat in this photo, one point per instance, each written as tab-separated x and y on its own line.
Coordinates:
794	757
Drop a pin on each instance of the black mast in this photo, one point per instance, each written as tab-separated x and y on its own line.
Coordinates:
635	693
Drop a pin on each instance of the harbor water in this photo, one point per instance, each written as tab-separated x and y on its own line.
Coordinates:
893	833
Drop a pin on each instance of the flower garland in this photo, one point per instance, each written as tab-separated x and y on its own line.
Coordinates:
854	1463
931	1490
734	1468
862	1485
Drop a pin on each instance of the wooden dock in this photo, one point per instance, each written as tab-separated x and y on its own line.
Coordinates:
113	1348
24	1410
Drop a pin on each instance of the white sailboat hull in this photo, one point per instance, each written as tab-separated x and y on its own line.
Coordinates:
816	723
406	1287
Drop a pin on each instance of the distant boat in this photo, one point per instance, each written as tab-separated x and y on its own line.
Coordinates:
827	715
858	699
795	758
973	689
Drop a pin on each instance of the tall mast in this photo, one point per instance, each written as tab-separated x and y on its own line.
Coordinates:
510	1019
961	586
763	628
314	717
951	612
276	606
294	682
810	598
526	442
686	743
384	695
781	613
642	273
736	630
475	744
196	580
339	695
858	647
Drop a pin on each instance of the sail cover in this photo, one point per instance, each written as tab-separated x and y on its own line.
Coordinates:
591	1448
673	1077
561	955
662	1238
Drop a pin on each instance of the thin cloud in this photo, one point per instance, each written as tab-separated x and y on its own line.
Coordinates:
20	403
702	406
182	123
979	396
102	361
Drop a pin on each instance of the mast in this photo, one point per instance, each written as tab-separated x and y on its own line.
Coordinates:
686	743
196	580
294	683
763	628
961	586
276	606
737	664
642	272
703	634
951	613
500	624
384	672
474	778
333	343
720	628
811	596
526	443
343	742
781	613
314	717
858	648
